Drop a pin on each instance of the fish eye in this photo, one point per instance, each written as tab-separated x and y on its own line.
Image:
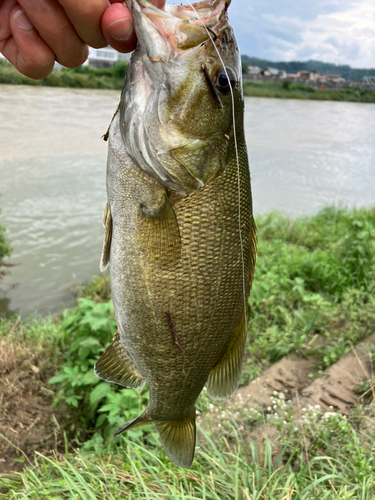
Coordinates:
222	82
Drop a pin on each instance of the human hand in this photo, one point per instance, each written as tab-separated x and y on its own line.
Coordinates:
35	34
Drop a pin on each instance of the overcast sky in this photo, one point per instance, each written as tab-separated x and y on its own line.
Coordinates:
337	31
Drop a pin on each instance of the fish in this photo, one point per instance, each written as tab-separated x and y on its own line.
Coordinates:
180	238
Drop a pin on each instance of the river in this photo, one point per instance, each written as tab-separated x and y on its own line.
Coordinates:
303	156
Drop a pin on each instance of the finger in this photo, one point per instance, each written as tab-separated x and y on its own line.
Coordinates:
25	49
118	28
55	28
85	16
6	8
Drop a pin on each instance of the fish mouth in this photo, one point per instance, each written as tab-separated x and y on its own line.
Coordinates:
163	32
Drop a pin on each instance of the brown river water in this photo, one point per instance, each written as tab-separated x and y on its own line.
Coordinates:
303	155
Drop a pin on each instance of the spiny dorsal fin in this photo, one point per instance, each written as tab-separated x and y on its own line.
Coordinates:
107	224
116	366
224	379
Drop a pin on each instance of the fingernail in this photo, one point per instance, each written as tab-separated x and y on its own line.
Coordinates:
121	29
22	21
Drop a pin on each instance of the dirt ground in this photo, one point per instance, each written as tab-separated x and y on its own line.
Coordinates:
28	420
336	387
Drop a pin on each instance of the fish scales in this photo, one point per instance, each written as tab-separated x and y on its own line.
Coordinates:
181	268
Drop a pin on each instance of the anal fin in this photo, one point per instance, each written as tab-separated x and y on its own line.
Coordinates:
224	379
115	366
107	224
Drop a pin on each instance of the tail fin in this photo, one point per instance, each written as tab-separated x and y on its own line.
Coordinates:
177	438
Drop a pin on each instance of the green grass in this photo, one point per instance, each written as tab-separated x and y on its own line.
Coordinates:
83	77
315	280
300	91
344	469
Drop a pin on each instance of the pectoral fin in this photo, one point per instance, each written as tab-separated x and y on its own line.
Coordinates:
224	379
107	224
160	233
115	366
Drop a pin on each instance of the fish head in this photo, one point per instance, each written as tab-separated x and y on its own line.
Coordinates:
182	91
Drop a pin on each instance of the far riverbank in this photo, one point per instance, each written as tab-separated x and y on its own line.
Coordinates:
113	79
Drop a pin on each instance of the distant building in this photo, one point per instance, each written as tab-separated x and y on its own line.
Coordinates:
254	70
335	78
105	58
292	76
273	72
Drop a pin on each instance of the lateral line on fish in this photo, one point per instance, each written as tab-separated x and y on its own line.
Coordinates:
173	332
237	158
212	86
105	137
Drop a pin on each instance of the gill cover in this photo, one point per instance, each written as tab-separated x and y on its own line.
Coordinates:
169	118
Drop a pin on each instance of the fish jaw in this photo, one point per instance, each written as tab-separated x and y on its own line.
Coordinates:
170	122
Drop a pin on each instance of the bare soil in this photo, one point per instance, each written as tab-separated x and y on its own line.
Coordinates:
28	420
336	388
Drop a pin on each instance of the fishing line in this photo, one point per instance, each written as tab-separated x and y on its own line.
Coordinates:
237	158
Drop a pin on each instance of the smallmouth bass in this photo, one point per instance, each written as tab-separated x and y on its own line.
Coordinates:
179	231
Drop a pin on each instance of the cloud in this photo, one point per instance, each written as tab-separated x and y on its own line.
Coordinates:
337	31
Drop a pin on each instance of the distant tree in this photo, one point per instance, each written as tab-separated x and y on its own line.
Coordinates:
119	69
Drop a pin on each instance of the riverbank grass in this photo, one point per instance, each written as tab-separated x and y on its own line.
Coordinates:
289	90
313	295
113	79
83	77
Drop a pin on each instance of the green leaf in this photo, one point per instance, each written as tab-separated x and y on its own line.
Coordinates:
89	378
100	392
